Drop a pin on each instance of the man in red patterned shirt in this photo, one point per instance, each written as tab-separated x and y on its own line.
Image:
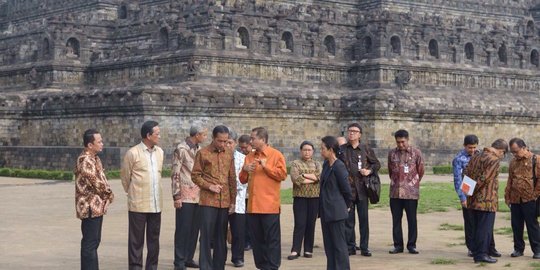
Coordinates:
92	197
406	169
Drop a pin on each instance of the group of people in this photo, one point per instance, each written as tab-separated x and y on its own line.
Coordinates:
479	209
334	190
236	180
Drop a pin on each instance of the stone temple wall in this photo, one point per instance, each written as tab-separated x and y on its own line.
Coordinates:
304	69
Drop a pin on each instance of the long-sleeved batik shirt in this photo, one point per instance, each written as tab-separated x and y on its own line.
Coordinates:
406	169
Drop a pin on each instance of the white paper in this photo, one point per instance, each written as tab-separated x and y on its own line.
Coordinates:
468	185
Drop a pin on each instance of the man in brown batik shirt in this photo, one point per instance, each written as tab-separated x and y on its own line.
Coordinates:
520	194
92	197
214	173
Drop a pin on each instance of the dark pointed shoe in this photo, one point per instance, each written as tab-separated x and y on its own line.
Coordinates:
366	253
293	257
516	253
494	253
238	263
308	255
357	248
352	252
485	259
395	251
192	264
413	251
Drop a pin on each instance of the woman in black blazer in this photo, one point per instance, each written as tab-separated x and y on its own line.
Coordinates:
334	203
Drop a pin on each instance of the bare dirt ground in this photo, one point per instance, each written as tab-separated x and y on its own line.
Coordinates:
39	230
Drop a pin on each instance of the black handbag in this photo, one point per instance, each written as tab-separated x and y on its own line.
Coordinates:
534	185
373	187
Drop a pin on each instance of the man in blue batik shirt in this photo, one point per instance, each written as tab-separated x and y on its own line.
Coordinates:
470	145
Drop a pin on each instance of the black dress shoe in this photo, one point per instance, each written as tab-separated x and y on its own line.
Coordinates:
516	253
293	257
238	263
485	259
413	251
357	248
352	252
366	253
396	251
470	253
191	264
494	253
536	256
308	255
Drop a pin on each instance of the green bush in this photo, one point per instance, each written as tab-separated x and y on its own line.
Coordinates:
113	174
447	169
444	169
5	172
37	174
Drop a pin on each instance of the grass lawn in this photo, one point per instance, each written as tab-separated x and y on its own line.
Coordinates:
434	197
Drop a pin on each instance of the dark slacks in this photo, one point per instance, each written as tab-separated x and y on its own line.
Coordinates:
363	224
238	233
305	212
335	245
248	239
138	223
483	232
213	238
396	207
469	228
521	214
266	240
186	234
91	237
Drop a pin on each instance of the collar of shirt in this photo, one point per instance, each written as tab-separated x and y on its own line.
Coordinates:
86	152
265	152
408	150
146	148
212	148
349	145
191	144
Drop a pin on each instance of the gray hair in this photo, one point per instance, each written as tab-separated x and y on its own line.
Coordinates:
195	129
232	135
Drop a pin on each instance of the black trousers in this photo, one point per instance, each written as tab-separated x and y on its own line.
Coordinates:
186	234
469	227
248	239
238	233
213	238
138	223
91	237
305	212
396	207
521	214
335	245
363	225
483	232
266	240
